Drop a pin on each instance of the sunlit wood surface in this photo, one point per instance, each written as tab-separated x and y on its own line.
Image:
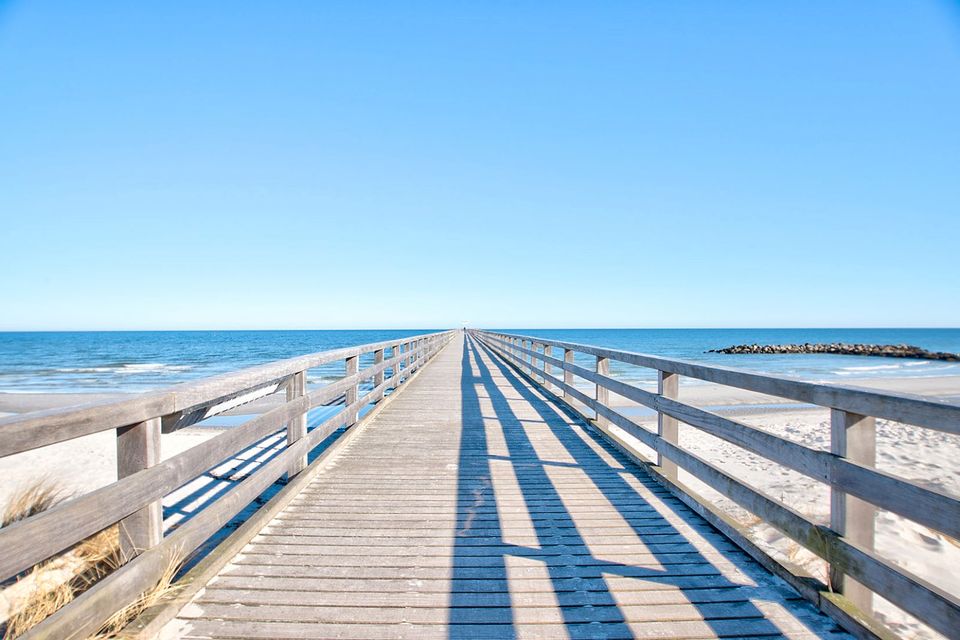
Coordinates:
472	507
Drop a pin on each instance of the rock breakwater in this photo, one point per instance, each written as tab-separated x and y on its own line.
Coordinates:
842	348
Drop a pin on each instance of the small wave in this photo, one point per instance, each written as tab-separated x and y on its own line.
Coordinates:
147	367
150	367
876	368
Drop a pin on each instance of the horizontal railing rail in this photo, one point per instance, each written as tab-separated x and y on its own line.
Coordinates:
134	501
857	488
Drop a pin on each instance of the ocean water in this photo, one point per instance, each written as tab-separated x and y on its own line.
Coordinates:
130	361
139	361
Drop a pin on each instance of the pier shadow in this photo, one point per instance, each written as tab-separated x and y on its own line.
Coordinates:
563	544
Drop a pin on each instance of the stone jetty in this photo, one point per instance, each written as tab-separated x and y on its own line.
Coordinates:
842	348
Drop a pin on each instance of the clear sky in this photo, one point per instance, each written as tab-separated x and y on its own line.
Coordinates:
528	164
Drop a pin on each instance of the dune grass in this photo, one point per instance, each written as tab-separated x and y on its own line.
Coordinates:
54	583
32	499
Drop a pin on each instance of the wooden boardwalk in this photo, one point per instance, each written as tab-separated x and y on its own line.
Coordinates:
474	507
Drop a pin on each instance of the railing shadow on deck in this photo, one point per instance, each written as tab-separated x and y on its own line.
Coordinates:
580	587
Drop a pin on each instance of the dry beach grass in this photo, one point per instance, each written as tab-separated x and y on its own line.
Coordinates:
54	583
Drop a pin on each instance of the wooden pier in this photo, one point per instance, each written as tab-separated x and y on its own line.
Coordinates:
467	492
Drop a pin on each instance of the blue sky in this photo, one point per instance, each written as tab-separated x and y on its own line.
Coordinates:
337	165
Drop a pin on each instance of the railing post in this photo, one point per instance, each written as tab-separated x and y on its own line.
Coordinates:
601	393
378	377
854	437
668	386
547	368
397	352
534	369
297	428
138	447
567	375
353	391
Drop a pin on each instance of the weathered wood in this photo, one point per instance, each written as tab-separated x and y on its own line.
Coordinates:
853	437
378	377
668	386
931	508
138	448
600	392
352	366
32	540
41	428
148	625
371	581
84	615
547	353
297	427
899	407
181	419
404	481
862	626
398	359
936	607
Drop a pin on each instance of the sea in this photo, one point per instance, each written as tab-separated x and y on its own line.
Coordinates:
136	361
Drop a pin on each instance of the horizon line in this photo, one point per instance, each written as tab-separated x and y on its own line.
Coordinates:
555	328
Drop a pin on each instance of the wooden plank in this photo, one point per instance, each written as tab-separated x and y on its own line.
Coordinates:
600	393
148	625
85	614
547	353
427	547
32	540
378	377
688	629
668	386
370	611
138	448
899	407
939	609
853	437
352	367
928	507
297	427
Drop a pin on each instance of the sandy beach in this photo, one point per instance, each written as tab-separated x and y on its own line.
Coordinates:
923	455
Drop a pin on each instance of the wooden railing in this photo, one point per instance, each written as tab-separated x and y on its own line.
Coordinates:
857	488
134	501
